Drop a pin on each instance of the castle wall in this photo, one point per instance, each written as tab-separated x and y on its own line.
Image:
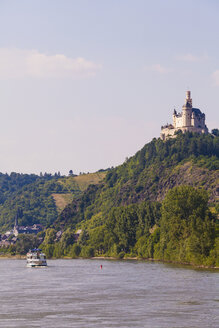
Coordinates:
177	121
170	133
167	133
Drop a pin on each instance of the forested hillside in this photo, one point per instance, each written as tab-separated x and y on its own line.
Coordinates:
39	199
155	205
189	159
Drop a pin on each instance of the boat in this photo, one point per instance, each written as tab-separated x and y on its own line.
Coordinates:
36	258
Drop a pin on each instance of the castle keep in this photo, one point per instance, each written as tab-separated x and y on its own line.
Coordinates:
190	119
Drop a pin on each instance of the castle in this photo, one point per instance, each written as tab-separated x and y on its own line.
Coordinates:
190	119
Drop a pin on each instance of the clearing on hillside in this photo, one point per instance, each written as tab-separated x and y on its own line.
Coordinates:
74	186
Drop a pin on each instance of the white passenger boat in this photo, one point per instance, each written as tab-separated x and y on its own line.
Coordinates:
36	258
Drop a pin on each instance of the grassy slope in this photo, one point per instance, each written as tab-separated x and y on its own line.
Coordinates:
62	200
75	186
81	182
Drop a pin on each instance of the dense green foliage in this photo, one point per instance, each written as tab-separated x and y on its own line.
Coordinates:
182	230
127	224
29	197
187	227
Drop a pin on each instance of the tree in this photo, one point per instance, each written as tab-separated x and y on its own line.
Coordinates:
87	251
75	251
50	236
215	132
26	242
187	226
67	238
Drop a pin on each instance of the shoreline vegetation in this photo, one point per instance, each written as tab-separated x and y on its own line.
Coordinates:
113	258
181	230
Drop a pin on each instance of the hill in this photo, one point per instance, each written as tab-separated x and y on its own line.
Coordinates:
188	159
155	205
39	199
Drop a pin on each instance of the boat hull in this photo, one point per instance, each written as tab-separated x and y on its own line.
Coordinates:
32	265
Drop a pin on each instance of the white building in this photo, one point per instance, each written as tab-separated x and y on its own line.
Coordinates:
190	119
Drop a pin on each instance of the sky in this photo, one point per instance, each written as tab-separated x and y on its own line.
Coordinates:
84	84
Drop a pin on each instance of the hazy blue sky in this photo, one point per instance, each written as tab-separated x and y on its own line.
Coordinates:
85	84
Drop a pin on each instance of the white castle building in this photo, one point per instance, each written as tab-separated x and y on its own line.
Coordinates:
190	119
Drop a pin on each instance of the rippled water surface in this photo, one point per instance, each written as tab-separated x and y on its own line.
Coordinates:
77	293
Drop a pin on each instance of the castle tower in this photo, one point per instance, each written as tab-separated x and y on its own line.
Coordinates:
188	97
16	221
187	110
174	118
15	230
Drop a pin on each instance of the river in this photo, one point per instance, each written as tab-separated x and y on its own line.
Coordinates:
78	293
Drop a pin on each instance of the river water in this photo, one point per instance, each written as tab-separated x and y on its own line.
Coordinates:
78	293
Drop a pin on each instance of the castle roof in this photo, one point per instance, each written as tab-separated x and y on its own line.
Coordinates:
197	111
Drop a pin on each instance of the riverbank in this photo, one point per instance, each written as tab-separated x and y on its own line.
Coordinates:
155	260
144	259
12	257
195	266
